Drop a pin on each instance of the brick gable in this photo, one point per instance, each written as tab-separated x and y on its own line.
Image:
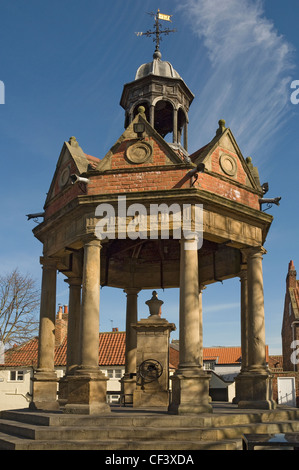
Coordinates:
290	322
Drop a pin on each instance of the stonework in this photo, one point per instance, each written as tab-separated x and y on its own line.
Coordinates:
147	170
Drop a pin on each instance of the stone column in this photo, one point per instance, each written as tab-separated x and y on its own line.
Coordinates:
244	334
257	382
190	383
201	288
45	378
186	136
244	317
73	336
175	126
128	382
256	316
73	333
87	387
152	115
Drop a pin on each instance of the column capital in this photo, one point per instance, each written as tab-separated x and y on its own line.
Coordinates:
91	240
253	251
74	281
48	262
132	291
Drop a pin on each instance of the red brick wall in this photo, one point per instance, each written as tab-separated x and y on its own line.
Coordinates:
166	178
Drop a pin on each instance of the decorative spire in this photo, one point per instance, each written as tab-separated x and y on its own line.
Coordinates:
157	32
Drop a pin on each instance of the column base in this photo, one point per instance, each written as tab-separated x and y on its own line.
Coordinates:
128	387
254	390
86	393
190	392
44	386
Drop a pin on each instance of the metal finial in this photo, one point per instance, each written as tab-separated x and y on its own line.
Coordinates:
157	31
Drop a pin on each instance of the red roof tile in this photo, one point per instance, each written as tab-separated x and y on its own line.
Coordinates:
112	348
226	355
24	355
112	352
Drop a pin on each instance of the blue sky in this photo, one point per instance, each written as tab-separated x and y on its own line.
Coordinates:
64	64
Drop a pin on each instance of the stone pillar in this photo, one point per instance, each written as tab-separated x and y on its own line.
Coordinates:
244	333
175	126
201	288
186	136
73	336
257	390
87	387
152	115
45	378
128	382
190	383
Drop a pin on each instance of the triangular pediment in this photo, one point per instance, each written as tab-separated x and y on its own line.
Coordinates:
71	160
223	157
147	148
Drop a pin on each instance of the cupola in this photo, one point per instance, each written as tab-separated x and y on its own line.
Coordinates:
159	88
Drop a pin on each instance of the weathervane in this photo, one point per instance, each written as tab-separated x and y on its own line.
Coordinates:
157	25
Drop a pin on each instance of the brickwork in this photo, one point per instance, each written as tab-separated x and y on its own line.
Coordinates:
157	174
290	325
285	374
61	326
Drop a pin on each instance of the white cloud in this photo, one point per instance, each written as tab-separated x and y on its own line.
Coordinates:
219	308
249	80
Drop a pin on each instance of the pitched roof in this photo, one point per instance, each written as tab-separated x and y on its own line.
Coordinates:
112	348
226	355
24	355
112	352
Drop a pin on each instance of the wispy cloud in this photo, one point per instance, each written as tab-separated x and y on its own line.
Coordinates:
250	70
219	308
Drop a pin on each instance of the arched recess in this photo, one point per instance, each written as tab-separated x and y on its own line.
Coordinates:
163	119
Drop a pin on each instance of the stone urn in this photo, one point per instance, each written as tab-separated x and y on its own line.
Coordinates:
154	305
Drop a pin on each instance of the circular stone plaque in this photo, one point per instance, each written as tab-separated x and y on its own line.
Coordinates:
139	152
228	165
64	177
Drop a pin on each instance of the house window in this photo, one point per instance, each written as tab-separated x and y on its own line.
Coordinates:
16	375
209	365
114	373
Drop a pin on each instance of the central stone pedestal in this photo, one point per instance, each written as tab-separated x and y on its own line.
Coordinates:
87	393
190	392
152	378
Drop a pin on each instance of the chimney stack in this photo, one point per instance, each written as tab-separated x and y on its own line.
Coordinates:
61	325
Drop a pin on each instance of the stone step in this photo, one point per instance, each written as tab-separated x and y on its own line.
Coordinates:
149	419
139	430
82	433
16	443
